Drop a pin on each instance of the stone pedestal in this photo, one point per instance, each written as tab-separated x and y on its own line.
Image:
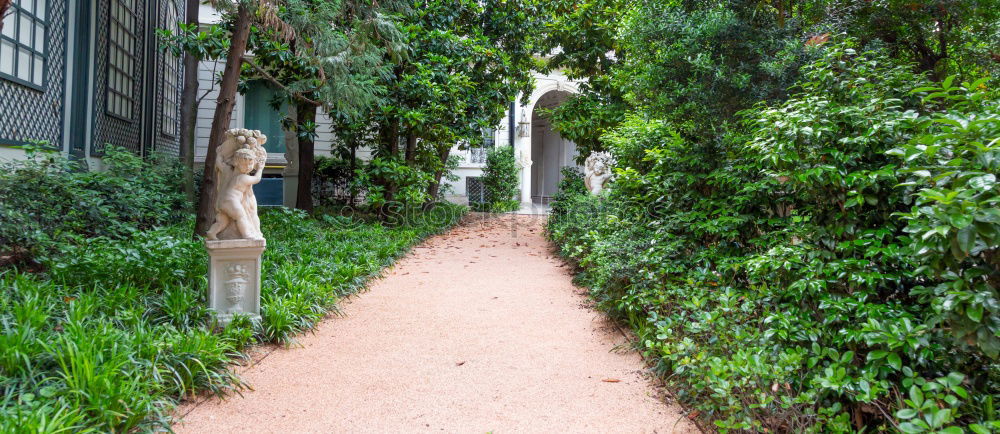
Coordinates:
234	277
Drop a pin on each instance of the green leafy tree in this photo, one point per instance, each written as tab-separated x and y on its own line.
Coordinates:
581	39
334	64
320	53
466	62
940	37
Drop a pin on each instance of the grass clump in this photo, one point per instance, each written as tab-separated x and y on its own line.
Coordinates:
115	330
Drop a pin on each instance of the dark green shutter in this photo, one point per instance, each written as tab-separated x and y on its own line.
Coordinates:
260	115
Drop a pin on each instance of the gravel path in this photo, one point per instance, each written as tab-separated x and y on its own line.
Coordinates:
477	330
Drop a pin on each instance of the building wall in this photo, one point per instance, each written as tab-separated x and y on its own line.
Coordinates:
69	109
128	79
208	91
562	152
31	111
208	72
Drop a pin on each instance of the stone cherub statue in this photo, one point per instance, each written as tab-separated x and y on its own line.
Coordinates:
597	171
239	164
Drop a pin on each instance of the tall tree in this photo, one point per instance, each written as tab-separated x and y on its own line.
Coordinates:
581	40
223	114
189	103
467	61
940	37
333	63
302	35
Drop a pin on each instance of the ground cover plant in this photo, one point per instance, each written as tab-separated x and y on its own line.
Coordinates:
827	265
115	331
108	327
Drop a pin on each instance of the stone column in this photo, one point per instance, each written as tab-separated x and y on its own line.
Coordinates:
234	277
522	151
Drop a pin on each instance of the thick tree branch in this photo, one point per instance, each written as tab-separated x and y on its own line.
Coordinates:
295	94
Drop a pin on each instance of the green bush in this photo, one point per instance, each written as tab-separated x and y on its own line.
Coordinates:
333	181
389	181
500	179
46	198
570	185
797	275
954	223
115	330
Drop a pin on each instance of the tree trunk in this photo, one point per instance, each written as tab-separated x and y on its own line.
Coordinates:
354	158
432	190
223	115
411	149
305	113
390	136
781	14
189	108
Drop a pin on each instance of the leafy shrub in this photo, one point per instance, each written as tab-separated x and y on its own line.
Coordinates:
115	330
46	197
333	181
500	181
389	180
570	185
952	168
792	276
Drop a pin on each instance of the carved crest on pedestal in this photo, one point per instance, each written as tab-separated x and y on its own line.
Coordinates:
236	282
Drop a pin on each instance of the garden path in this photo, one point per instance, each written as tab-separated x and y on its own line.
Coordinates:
477	330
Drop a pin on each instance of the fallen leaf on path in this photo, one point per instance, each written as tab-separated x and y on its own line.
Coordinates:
611	380
460	363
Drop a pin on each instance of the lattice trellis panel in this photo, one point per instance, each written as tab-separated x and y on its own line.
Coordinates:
475	190
169	81
108	128
32	114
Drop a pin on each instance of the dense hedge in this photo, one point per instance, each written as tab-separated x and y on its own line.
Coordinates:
46	199
831	265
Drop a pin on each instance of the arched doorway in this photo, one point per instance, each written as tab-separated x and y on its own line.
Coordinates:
549	151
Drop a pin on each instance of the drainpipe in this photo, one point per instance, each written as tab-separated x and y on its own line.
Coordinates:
510	128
